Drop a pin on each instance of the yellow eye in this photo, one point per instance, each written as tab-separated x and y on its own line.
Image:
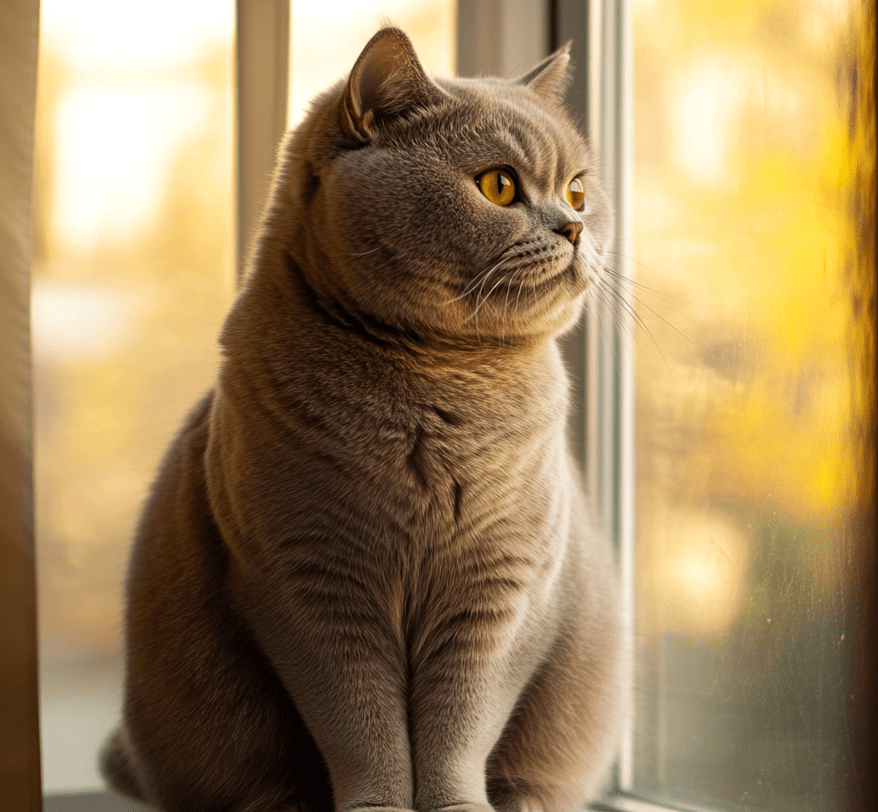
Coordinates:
576	193
497	185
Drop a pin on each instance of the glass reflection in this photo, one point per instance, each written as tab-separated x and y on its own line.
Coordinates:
751	146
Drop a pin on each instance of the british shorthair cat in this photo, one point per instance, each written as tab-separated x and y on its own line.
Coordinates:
366	578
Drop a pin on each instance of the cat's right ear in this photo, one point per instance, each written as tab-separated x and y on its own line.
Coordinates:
386	80
550	78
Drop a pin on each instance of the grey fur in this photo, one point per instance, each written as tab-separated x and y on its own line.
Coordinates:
366	578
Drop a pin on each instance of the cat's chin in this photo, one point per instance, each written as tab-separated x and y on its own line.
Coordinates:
561	289
567	280
542	309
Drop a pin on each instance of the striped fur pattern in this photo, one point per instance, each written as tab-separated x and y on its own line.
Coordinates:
366	579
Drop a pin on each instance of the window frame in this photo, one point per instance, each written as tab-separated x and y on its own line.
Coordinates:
262	58
606	411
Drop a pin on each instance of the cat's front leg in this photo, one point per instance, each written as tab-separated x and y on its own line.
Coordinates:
467	678
334	652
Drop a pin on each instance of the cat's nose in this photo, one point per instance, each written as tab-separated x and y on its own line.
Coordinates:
572	231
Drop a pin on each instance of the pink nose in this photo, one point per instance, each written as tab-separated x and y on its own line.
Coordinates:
571	231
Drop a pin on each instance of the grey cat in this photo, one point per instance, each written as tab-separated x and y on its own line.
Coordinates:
366	578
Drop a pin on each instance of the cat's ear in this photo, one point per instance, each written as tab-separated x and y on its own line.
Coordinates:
551	77
386	80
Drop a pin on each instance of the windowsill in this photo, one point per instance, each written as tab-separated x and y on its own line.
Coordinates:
625	803
91	802
107	802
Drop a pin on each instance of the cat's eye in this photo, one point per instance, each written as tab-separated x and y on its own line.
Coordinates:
576	193
498	186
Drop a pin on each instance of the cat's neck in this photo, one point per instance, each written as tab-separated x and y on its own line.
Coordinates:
279	333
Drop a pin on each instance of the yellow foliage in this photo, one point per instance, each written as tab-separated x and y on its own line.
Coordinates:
764	409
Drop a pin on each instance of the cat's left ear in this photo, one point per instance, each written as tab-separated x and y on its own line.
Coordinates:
550	78
386	80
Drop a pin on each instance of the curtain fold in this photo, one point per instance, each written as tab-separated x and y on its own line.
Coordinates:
19	730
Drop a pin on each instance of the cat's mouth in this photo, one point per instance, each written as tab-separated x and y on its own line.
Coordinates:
535	268
530	277
525	288
552	273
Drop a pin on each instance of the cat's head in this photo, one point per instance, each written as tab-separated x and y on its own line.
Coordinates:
468	209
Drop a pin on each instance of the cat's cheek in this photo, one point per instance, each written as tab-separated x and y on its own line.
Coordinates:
494	231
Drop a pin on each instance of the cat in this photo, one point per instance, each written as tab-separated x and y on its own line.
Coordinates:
366	577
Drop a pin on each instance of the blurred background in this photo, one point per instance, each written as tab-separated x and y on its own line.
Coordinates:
134	269
754	407
753	166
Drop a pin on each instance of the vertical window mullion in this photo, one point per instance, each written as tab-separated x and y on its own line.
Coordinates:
262	69
620	72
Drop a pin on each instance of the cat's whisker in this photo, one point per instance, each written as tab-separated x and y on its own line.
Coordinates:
505	315
633	283
624	324
485	299
660	316
617	323
629	310
481	288
518	298
474	283
621	322
484	280
649	268
467	291
364	253
476	311
624	308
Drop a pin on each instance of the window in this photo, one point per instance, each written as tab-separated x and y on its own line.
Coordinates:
133	273
725	389
744	489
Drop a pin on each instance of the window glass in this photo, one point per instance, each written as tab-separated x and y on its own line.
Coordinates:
134	271
753	143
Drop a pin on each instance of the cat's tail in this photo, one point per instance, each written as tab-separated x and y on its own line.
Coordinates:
117	766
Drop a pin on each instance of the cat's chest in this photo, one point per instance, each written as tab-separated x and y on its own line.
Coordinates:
478	506
468	479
